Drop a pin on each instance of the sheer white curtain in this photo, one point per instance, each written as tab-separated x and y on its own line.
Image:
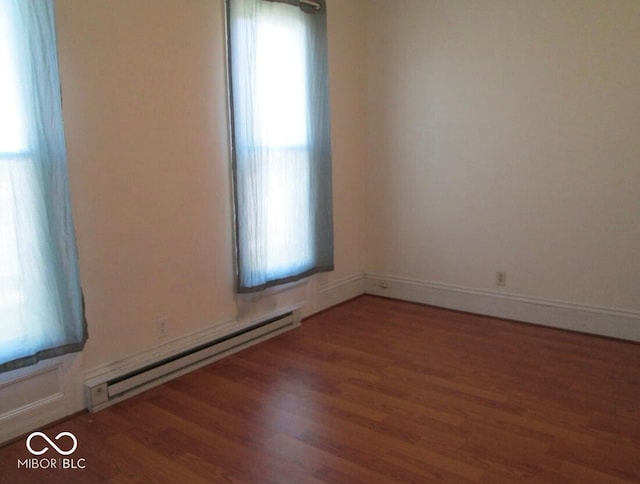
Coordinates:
281	142
41	309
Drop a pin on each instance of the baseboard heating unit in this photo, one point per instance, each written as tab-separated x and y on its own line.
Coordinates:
101	394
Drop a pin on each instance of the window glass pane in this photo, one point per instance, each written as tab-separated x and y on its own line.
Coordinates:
281	99
11	124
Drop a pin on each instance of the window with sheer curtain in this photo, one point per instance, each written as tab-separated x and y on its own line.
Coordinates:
281	147
41	309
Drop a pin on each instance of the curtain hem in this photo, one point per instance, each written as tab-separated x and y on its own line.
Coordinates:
285	280
42	355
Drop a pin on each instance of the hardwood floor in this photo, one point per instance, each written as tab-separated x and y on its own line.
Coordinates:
375	391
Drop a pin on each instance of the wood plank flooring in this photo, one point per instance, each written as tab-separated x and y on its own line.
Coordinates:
376	391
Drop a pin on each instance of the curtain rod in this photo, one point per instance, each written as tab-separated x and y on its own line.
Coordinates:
311	3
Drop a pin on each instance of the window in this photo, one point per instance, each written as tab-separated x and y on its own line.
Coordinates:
41	313
12	156
281	141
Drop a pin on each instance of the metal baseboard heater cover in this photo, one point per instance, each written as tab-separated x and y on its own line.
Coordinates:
103	394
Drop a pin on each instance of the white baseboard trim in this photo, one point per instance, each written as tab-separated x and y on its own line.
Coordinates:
609	322
340	291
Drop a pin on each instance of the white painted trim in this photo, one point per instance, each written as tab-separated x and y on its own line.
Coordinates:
272	302
340	291
64	374
602	321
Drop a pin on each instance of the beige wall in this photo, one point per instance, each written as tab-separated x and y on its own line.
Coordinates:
347	63
145	114
505	136
482	136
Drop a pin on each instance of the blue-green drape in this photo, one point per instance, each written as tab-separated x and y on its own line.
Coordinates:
281	145
41	305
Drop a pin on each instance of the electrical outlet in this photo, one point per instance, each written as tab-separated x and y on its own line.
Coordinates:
161	327
501	278
384	285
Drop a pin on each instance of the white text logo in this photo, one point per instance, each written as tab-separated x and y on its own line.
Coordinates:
65	444
52	444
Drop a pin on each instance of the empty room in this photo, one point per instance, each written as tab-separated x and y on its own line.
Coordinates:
319	241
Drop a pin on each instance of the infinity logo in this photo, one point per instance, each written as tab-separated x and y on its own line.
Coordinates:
52	444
